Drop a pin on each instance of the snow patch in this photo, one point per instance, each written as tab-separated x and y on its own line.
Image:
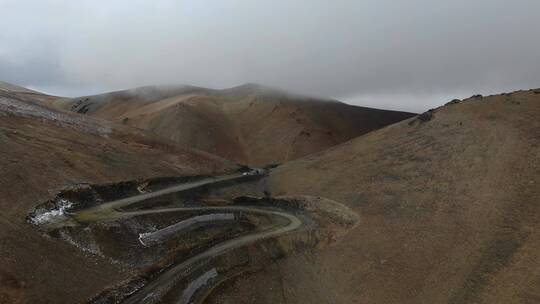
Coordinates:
51	216
154	237
90	248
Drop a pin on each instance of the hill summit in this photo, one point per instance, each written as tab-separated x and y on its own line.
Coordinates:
249	124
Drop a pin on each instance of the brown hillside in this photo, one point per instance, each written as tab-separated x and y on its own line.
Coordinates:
448	201
448	206
248	124
43	151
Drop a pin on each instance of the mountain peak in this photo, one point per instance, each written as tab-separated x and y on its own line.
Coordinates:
259	90
249	88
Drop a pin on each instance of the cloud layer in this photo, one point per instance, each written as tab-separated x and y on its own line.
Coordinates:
398	54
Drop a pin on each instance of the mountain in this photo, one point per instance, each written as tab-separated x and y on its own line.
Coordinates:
249	124
448	204
43	151
447	201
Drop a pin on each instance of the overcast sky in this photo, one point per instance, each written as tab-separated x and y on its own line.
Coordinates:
402	54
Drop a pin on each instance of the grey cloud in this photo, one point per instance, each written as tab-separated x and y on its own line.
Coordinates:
398	54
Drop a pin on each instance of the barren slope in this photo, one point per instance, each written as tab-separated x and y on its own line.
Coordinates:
448	209
248	124
43	151
27	94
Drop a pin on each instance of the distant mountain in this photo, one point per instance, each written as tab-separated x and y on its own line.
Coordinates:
249	124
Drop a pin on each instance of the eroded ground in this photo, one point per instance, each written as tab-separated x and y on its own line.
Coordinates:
179	246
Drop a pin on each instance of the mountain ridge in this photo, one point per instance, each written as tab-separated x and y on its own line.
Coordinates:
249	124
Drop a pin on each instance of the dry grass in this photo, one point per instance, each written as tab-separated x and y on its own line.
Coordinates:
42	152
448	210
251	125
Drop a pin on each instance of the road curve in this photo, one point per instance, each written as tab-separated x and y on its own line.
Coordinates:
110	209
153	291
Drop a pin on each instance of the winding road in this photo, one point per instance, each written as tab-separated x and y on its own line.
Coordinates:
153	291
112	210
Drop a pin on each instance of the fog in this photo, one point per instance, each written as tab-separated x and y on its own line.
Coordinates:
399	54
